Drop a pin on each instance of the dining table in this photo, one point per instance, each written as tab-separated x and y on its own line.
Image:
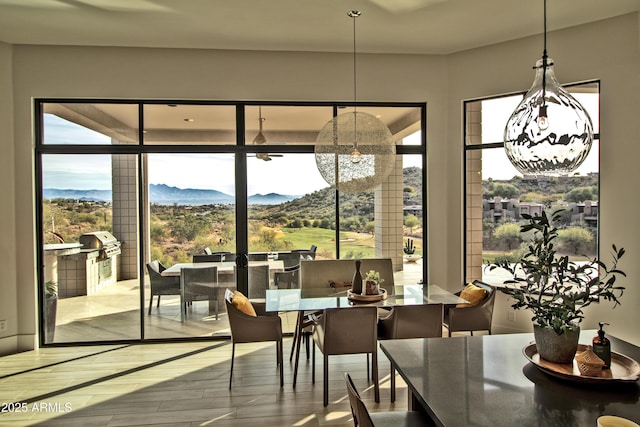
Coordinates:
304	300
224	267
488	380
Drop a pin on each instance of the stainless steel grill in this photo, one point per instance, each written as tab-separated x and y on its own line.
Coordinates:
103	241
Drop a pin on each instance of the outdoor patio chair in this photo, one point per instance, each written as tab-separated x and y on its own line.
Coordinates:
159	284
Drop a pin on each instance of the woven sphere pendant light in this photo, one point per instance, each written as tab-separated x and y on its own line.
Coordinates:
355	151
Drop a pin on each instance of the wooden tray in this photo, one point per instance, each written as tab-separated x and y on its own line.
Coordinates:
367	298
623	369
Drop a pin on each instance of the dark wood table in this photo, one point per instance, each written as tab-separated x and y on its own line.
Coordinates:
487	381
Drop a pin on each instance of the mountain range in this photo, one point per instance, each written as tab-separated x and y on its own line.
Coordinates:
166	195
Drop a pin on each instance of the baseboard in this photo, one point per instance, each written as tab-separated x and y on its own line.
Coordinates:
16	344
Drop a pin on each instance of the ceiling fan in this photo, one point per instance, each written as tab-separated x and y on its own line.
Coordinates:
260	139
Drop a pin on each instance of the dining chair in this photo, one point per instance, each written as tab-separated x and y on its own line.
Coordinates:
262	256
472	318
199	283
197	258
159	284
257	326
363	418
258	281
410	321
349	330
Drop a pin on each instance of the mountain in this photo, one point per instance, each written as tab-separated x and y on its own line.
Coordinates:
271	199
88	195
166	195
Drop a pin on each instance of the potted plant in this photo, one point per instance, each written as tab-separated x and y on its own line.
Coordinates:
409	249
373	282
50	309
557	290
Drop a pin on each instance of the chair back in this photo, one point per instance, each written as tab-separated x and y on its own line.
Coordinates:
412	321
245	328
359	410
207	258
261	256
154	268
198	281
476	318
258	281
288	279
350	330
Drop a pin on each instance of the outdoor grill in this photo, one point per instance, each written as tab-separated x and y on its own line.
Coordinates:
104	241
92	267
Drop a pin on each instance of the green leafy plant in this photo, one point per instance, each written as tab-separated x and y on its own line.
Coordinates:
374	276
555	289
409	249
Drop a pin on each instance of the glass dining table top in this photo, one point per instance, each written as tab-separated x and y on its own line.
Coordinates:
312	299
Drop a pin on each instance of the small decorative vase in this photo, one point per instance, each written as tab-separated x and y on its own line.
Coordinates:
556	348
372	287
356	283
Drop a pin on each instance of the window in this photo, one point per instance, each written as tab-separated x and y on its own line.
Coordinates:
171	181
496	194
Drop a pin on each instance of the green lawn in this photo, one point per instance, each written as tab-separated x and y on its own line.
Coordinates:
354	245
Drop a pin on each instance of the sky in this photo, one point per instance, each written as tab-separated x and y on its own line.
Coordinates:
291	174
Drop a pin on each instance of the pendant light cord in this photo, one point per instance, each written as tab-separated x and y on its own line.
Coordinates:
354	14
544	55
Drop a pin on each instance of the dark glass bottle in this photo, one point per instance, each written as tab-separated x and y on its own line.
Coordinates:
356	283
602	346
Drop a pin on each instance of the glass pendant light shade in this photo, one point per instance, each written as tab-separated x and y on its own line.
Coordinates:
549	133
355	152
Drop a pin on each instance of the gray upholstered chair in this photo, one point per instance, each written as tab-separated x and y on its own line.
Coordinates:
350	330
197	258
475	318
199	283
258	281
410	321
245	328
363	418
159	284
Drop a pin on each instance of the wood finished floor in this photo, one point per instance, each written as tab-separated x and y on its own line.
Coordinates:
180	384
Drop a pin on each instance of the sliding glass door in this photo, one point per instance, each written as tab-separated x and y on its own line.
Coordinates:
132	195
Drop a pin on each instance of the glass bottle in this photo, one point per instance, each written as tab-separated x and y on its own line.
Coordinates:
602	346
356	283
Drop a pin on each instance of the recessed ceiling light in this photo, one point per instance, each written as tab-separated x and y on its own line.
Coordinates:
172	105
189	120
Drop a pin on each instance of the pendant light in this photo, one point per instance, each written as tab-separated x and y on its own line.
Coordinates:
355	151
260	138
549	133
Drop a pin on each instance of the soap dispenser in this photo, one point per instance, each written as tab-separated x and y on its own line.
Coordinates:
602	346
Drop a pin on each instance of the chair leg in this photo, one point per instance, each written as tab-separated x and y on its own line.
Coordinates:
233	353
376	383
280	361
158	304
313	364
368	367
295	336
325	380
296	344
393	384
151	303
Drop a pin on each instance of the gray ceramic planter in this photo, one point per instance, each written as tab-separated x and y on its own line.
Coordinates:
556	348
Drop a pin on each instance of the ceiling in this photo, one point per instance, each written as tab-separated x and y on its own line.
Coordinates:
386	26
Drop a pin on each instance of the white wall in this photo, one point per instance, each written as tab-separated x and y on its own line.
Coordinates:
8	284
442	82
608	51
